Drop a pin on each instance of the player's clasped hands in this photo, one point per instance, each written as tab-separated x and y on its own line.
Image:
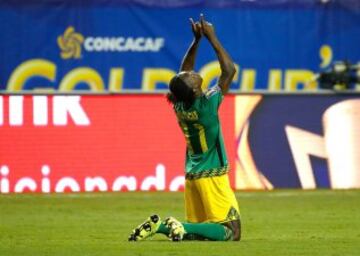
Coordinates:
202	27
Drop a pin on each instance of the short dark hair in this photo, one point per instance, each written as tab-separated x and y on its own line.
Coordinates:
180	92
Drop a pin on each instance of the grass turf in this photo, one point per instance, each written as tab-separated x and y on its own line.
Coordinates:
284	222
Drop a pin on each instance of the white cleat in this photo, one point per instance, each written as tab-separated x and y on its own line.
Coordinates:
177	230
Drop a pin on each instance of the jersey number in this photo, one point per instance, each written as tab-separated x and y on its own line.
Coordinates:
201	134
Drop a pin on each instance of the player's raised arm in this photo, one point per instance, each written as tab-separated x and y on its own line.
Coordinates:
189	58
226	64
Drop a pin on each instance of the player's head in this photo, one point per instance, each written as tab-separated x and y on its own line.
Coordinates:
185	87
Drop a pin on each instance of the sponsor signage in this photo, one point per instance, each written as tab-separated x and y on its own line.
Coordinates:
94	143
298	141
130	142
116	46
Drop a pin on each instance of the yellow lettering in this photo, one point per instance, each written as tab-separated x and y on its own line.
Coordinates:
248	80
190	116
211	71
28	69
326	55
78	75
152	76
295	77
116	79
275	77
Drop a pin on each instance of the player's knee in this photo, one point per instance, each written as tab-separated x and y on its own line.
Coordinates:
235	227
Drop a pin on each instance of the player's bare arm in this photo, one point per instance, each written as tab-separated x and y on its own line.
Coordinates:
189	58
226	64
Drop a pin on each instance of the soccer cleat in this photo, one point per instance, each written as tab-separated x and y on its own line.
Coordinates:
146	229
177	230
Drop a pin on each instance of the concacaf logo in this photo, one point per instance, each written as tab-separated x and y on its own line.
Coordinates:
70	44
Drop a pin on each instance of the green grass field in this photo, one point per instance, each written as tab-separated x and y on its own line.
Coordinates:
285	222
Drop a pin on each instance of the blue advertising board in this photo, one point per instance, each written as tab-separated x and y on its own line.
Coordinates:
298	141
119	45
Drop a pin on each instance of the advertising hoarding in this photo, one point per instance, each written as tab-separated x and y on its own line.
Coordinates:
138	45
94	143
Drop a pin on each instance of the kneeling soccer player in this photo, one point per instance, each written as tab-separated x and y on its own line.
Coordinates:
212	211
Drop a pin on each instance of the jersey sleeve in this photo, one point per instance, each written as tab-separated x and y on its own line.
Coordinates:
214	97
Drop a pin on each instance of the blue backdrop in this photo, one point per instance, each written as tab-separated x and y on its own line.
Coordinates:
119	45
269	142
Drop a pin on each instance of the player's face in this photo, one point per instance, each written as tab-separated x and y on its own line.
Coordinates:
193	80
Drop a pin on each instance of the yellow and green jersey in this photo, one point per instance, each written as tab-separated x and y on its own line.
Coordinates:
205	151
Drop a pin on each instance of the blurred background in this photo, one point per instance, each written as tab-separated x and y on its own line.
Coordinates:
82	83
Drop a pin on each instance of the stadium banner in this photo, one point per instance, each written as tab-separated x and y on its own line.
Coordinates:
297	141
116	46
65	143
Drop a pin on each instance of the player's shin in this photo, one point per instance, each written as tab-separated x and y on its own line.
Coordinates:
209	231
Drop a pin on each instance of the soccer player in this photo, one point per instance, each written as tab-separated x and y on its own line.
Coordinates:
212	211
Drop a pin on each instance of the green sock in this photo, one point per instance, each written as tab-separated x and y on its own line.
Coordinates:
163	229
211	231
